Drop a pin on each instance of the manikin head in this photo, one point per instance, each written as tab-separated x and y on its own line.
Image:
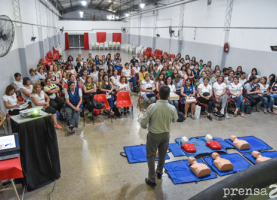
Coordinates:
208	137
184	140
215	155
256	154
192	160
233	137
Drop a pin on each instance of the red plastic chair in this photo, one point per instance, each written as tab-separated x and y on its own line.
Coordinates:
173	55
124	100
103	98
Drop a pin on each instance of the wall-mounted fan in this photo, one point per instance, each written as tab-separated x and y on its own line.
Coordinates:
6	35
123	29
171	32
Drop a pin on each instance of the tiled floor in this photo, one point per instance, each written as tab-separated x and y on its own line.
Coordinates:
92	167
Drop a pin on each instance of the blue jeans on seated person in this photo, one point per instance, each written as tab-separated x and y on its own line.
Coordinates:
240	103
175	103
183	99
110	100
271	102
133	79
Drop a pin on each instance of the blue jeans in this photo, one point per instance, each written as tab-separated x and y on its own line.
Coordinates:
273	95
175	103
110	100
271	102
133	79
240	103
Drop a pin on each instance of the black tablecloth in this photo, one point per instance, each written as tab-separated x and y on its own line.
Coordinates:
39	152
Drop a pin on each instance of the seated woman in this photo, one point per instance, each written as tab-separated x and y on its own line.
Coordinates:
264	88
41	75
174	74
11	102
216	68
168	82
150	67
147	88
221	95
94	71
205	96
189	74
110	71
215	77
38	97
273	90
52	90
238	71
196	70
33	77
69	68
169	70
129	74
250	91
152	77
156	70
54	79
178	82
27	89
159	82
73	99
115	79
195	82
228	80
142	73
136	70
242	78
187	90
183	72
271	79
84	76
18	82
123	85
57	73
103	66
71	77
89	88
99	79
254	73
106	87
236	89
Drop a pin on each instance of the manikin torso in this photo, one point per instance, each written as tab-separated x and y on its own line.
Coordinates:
259	157
240	144
221	163
199	169
214	145
187	147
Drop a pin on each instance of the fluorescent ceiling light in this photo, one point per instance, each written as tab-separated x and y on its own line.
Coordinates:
116	17
142	5
127	14
81	13
83	3
110	17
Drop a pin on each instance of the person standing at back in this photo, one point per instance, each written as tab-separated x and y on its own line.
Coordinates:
158	117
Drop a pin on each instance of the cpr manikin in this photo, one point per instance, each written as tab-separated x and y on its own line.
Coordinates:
239	144
214	145
221	163
199	169
259	157
187	147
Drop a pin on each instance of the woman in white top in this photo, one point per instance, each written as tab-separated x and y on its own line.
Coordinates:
103	66
205	96
254	73
115	79
168	82
242	79
69	68
11	102
123	85
57	73
27	88
129	74
264	88
18	82
183	72
41	74
83	77
221	95
94	72
228	80
147	88
136	70
236	89
38	97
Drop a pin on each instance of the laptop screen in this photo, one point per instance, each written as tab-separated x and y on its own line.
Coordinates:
7	142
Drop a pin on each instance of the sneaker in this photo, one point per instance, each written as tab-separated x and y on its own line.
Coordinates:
128	112
218	114
57	126
112	112
210	118
90	114
227	116
193	118
71	129
222	111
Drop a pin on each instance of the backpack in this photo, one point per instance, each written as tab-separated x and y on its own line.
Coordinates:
116	110
247	107
98	105
231	107
181	117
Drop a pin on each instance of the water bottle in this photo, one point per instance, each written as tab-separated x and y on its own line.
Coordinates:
58	114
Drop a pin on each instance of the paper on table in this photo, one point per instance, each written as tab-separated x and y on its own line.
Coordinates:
23	106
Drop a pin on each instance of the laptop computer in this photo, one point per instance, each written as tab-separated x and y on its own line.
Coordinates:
9	146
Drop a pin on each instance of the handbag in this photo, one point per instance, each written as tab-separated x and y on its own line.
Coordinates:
149	95
190	100
206	94
98	105
197	112
255	96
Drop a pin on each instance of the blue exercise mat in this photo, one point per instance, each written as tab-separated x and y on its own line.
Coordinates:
256	144
137	154
200	145
237	160
270	154
179	172
176	150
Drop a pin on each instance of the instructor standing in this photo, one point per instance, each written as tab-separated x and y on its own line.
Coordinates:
159	116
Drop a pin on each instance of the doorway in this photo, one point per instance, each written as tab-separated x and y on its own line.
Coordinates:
76	41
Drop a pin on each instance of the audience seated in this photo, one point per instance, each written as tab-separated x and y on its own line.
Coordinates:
128	73
106	87
17	82
10	101
72	78
187	90
268	99
73	99
178	81
123	86
254	73
242	78
94	71
220	95
27	89
38	98
142	73
147	88
236	90
33	77
89	88
83	76
70	69
168	82
250	91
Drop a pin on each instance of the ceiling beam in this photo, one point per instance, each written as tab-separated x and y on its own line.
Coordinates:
97	6
89	3
77	7
71	3
58	4
124	5
109	4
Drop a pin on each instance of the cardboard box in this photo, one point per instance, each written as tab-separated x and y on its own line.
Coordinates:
173	97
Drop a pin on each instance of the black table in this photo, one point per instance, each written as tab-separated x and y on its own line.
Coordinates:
39	152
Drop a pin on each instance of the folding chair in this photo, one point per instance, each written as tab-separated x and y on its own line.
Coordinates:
103	98
124	100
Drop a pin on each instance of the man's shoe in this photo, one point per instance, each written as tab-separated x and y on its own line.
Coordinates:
159	176
210	118
150	183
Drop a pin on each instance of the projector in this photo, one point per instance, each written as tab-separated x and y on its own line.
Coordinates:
33	112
